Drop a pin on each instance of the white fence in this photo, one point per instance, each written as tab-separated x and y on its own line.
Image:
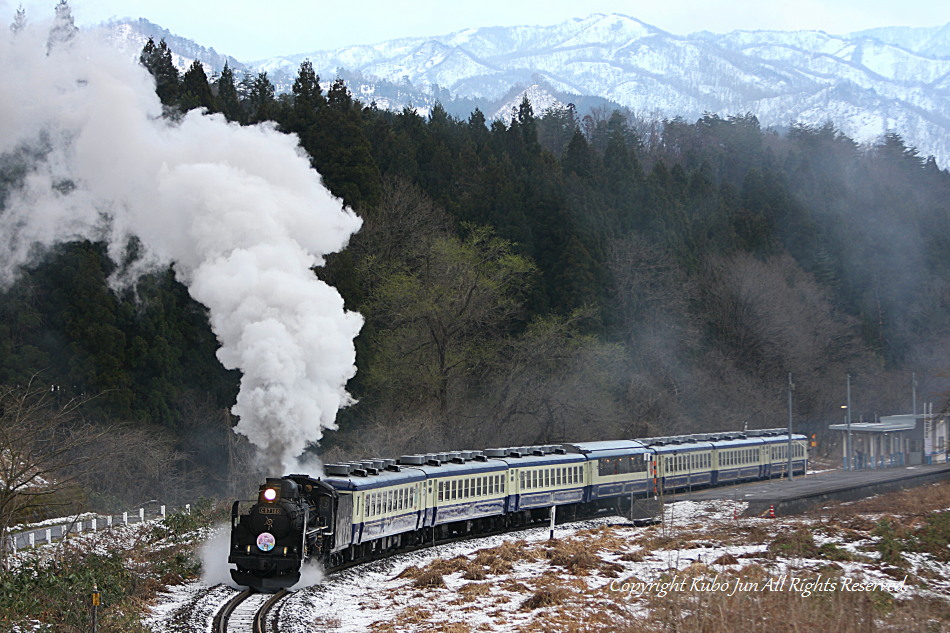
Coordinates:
62	528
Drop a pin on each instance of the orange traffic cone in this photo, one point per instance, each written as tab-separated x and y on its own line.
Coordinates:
771	511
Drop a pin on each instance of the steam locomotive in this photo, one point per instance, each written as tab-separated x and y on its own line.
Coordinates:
290	523
362	510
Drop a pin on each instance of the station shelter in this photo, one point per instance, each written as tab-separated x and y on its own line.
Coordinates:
896	440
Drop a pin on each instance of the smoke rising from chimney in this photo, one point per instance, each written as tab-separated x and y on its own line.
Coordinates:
238	211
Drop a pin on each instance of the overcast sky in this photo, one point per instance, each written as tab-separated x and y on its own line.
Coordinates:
255	29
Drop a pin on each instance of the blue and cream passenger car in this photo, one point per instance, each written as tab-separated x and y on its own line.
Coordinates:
461	486
387	503
615	468
683	462
541	477
383	501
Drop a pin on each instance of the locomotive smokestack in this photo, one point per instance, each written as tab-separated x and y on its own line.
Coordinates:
237	210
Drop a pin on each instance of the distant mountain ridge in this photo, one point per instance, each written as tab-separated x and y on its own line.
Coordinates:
130	36
931	41
866	83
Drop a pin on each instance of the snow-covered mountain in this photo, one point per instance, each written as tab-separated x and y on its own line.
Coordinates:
866	83
933	41
130	36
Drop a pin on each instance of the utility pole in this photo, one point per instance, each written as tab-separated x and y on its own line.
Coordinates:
791	388
848	441
913	390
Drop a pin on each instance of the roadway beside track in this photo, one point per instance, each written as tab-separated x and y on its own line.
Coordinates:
805	492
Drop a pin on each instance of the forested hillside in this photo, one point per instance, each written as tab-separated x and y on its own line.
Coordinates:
558	278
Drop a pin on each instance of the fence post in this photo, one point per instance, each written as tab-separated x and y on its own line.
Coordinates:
162	510
94	524
95	608
49	535
141	515
33	539
109	521
125	518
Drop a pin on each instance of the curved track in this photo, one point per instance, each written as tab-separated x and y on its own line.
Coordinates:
248	612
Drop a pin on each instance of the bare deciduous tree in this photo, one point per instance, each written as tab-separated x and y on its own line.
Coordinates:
44	443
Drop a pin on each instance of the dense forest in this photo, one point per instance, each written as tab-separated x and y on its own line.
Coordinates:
559	277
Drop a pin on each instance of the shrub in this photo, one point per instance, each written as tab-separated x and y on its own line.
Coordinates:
888	546
934	537
797	544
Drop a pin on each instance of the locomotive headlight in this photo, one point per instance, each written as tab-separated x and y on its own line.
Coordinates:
269	494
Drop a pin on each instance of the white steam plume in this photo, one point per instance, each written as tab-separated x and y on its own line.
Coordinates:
238	210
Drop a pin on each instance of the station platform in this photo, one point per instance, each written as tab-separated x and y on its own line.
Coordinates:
808	491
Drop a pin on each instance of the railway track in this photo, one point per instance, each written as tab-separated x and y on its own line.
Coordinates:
248	612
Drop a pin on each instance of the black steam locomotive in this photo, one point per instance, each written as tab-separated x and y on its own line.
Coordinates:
290	523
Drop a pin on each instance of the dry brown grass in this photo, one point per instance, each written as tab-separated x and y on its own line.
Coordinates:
474	571
414	615
495	561
636	556
475	589
514	586
726	559
447	627
546	597
732	533
511	551
798	543
429	578
573	555
604	537
450	566
409	572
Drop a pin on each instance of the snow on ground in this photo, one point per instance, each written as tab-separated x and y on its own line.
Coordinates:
592	572
357	598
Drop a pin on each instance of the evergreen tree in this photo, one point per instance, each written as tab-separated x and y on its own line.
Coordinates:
478	129
195	90
64	27
556	128
259	100
528	126
228	101
158	61
577	157
340	151
306	90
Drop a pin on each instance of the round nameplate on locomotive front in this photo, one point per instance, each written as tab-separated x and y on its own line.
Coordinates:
265	541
